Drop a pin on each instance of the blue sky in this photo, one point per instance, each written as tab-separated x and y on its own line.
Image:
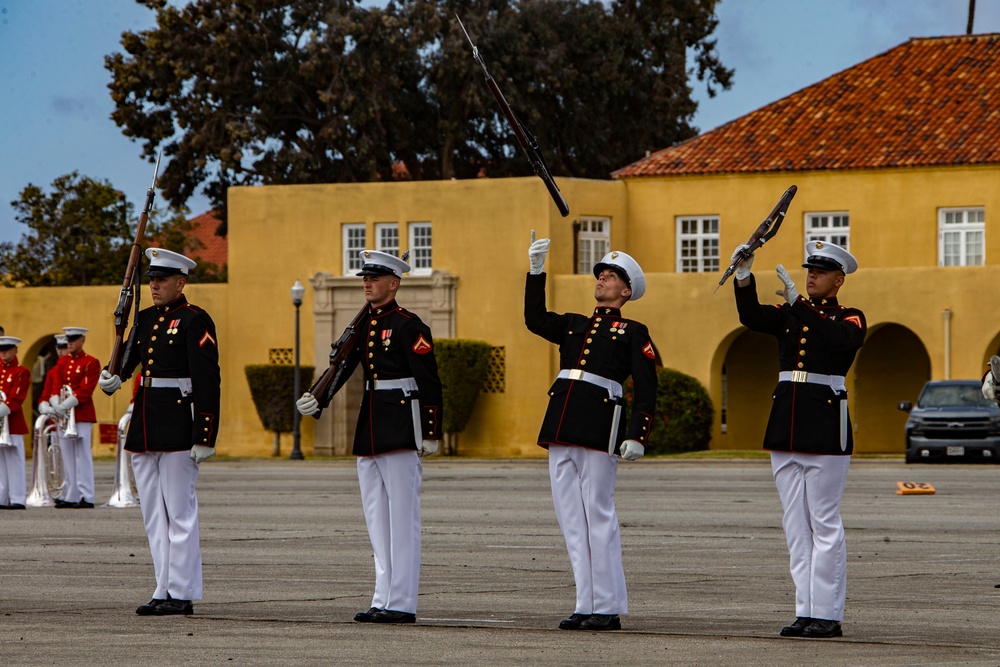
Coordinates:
55	107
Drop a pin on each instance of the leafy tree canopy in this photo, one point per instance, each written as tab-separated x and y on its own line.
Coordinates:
245	92
81	232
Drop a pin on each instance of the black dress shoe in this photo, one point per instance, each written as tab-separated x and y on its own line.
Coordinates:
170	607
16	506
83	504
63	504
147	609
367	616
389	616
821	628
797	626
573	622
602	622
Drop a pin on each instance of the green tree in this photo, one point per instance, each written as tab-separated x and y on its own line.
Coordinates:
78	235
318	91
81	233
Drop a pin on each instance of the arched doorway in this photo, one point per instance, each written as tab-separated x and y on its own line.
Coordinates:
892	367
749	373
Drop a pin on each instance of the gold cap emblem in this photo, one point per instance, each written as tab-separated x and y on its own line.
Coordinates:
614	255
367	254
155	253
819	244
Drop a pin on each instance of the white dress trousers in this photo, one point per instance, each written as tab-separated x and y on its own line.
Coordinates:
583	492
811	487
390	495
78	464
13	488
166	485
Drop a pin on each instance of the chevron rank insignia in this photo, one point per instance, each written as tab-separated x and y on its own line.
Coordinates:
422	346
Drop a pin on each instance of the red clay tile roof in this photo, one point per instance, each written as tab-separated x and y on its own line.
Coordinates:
213	248
929	101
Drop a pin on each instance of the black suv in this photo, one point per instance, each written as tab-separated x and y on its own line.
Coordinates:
952	421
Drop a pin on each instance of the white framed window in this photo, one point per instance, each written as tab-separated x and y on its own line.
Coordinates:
387	237
420	248
697	244
593	242
829	227
352	240
961	236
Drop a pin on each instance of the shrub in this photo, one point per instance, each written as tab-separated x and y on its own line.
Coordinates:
272	388
462	366
684	413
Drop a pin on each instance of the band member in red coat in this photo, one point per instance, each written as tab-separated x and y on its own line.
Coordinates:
78	371
584	427
809	431
175	423
15	380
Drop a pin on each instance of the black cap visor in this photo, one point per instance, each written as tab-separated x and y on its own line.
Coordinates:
376	270
825	263
163	272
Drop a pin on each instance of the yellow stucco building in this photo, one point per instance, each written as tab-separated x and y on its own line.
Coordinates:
897	160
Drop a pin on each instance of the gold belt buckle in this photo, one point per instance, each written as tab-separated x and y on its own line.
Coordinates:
147	382
576	374
800	376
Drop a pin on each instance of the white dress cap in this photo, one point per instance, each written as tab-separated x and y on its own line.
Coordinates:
75	331
167	263
378	263
624	264
7	341
829	256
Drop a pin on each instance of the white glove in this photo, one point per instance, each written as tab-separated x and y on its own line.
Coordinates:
743	268
5	410
790	293
201	453
54	401
67	405
632	450
990	387
307	405
109	383
428	447
536	254
45	409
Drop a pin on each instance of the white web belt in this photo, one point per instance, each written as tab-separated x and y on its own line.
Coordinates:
835	382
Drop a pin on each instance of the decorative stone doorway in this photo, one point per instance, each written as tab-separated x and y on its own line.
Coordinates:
337	300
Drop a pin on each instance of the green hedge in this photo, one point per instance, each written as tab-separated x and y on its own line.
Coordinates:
684	413
273	392
462	366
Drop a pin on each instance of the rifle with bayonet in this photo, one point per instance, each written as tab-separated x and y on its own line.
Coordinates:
524	137
765	232
131	283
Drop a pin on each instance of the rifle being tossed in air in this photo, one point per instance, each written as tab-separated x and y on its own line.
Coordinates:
765	232
131	283
524	137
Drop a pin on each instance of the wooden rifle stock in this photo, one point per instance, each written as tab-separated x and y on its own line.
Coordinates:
323	388
131	282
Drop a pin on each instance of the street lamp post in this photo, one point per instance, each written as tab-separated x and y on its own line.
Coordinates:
298	291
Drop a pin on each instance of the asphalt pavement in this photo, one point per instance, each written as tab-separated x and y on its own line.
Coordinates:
288	564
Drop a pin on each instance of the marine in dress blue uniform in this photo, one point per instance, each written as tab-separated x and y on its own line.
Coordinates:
399	422
809	429
174	426
584	428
